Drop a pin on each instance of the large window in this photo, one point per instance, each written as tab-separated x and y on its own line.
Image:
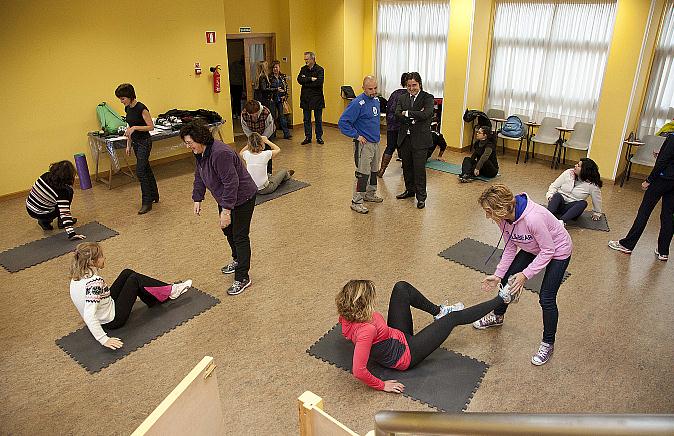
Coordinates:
412	36
548	58
660	90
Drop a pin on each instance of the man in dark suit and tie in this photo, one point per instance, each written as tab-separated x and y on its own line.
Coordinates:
414	110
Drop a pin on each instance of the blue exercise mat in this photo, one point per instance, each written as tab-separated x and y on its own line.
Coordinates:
451	168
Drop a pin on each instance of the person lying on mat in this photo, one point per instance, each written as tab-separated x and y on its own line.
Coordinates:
109	308
483	161
51	197
393	343
567	196
543	243
256	158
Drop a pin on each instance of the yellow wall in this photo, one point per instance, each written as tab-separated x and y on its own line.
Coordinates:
621	67
60	59
369	36
330	54
302	38
460	21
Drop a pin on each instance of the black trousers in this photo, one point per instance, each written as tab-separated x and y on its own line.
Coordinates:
148	184
235	92
660	188
414	168
124	291
391	142
552	280
405	296
488	169
238	237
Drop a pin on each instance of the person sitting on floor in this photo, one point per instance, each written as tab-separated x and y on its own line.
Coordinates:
439	143
256	158
109	308
567	196
483	161
393	343
51	197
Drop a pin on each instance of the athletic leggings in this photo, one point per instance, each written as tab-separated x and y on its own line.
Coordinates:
421	345
124	291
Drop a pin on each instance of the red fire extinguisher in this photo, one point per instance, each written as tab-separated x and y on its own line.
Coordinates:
216	78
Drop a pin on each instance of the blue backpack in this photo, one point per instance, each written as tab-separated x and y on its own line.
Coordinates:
513	127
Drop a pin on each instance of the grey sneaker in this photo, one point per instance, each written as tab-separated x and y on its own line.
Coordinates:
543	355
373	198
489	320
445	309
506	295
615	245
229	269
238	287
358	207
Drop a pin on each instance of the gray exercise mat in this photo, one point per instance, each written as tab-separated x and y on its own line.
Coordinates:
286	187
445	380
473	254
447	167
585	221
42	250
145	324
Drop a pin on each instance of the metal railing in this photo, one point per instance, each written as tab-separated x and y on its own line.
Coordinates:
389	423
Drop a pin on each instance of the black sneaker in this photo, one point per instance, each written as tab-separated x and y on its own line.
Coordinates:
238	287
320	141
306	141
45	224
229	269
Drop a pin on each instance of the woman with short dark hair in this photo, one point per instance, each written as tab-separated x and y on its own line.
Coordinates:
220	170
138	137
51	197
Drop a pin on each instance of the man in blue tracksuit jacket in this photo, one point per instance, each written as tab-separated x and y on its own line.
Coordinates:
360	121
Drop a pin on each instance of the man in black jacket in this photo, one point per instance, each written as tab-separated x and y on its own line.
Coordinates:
415	111
659	184
311	78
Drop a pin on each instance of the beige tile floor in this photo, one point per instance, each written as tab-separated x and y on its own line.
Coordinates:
614	344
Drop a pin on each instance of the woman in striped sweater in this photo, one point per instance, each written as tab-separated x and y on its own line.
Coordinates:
51	197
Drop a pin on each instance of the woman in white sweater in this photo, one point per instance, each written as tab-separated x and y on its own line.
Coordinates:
567	196
104	308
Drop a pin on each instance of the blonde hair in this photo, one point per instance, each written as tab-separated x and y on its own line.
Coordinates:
85	255
497	199
256	143
262	69
355	302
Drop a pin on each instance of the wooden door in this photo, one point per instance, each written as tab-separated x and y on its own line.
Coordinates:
256	49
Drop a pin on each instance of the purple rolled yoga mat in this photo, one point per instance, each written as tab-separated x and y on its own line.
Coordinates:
83	171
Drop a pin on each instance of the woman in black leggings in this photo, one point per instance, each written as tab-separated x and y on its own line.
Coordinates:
109	308
393	343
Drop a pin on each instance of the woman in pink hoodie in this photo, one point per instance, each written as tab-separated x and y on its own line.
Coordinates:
393	343
535	241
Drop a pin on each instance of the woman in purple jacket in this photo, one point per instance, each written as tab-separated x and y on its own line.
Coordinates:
220	170
544	244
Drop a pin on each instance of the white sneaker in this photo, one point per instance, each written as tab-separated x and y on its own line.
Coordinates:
543	354
562	223
372	198
615	245
445	309
358	207
177	289
662	257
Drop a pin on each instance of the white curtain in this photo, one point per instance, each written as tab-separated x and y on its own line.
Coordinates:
412	36
660	90
548	58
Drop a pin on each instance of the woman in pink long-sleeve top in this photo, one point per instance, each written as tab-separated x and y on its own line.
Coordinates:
535	241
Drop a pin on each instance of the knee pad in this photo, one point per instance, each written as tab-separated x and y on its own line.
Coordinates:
361	182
